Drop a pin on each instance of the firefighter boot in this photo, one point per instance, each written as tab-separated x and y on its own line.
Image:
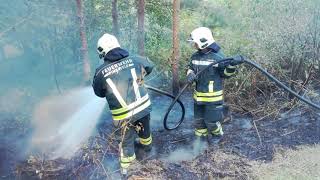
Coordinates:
125	164
201	138
200	143
226	113
215	139
143	148
126	173
216	135
138	145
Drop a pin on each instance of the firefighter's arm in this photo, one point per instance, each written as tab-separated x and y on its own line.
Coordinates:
224	68
98	86
147	65
190	65
229	69
191	75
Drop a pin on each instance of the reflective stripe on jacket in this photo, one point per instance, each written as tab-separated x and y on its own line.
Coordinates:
121	83
209	85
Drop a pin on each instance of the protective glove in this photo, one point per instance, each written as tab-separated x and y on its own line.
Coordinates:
191	76
238	59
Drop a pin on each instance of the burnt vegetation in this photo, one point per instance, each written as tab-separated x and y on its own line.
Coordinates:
48	48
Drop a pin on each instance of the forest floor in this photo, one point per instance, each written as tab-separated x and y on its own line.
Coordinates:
251	149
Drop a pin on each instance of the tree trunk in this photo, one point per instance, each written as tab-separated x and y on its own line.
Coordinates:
175	53
84	48
141	6
115	24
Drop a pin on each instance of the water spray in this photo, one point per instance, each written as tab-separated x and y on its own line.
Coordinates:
62	123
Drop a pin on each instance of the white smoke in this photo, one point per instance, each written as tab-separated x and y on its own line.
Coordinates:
62	123
187	154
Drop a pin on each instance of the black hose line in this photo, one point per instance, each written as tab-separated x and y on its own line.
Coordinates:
173	97
272	78
280	84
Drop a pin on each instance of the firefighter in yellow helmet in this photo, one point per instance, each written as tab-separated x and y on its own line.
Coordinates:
120	80
208	92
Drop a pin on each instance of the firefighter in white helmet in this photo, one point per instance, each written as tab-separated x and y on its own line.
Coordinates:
120	80
208	92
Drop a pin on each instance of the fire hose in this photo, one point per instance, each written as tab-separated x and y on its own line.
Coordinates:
175	100
251	63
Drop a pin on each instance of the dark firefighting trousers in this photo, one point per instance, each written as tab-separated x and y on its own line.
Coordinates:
207	119
141	127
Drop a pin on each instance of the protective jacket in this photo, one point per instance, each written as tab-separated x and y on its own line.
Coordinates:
209	85
120	81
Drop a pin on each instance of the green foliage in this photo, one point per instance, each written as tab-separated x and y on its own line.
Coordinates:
43	37
159	32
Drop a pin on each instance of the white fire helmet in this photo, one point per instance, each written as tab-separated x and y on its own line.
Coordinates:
106	43
202	37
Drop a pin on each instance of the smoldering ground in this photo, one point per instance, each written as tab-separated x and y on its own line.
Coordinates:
176	153
187	153
15	130
171	148
59	125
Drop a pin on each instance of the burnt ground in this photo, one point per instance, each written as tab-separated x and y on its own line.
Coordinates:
175	154
14	135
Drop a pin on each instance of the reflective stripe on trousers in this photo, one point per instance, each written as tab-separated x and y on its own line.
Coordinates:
219	130
208	96
201	132
146	141
126	161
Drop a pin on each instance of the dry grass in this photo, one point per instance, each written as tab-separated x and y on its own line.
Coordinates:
303	163
251	92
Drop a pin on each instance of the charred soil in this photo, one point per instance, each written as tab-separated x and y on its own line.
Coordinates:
175	154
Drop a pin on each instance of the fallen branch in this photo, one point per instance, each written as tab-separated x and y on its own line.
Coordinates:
285	134
179	140
255	126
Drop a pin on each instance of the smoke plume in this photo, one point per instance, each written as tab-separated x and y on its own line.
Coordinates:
61	123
